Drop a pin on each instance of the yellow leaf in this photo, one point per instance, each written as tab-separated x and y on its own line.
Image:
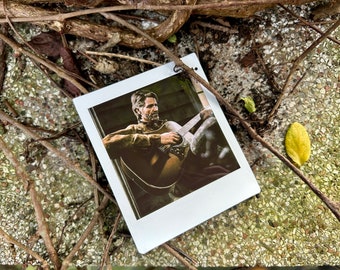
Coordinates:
297	143
249	104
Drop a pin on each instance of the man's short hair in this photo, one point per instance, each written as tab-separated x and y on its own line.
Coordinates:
138	100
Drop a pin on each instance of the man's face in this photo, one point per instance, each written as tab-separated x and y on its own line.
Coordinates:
149	112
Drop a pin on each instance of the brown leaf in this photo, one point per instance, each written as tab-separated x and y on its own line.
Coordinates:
248	60
47	43
68	60
70	65
51	45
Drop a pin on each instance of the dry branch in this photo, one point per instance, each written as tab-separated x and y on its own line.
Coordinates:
123	57
240	10
105	257
69	163
66	23
297	62
87	29
305	22
43	228
85	234
59	71
3	30
177	255
9	239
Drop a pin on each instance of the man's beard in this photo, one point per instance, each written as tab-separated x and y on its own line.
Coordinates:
152	117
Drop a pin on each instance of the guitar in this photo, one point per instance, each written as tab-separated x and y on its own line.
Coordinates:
157	170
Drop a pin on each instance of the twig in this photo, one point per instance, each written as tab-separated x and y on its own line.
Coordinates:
9	22
103	33
293	90
123	57
221	28
11	240
60	72
69	163
179	257
269	74
183	254
141	6
85	234
334	207
97	198
66	223
39	213
109	241
3	30
10	108
317	29
295	67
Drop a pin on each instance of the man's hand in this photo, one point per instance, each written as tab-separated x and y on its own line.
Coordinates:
206	113
170	138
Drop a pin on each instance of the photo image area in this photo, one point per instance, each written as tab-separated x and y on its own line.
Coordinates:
156	175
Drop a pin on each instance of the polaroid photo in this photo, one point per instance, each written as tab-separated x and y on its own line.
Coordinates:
167	150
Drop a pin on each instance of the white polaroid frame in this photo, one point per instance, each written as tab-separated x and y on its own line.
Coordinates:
180	215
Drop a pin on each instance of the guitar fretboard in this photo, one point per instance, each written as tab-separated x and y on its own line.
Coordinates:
189	125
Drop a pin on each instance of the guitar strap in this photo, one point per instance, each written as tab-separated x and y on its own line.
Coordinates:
152	189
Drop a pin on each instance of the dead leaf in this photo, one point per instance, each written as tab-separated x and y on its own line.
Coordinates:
249	59
51	45
297	142
47	43
70	65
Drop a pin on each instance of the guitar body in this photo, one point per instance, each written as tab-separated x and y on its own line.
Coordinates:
158	167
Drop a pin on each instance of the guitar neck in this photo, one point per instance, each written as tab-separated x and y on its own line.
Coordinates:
189	125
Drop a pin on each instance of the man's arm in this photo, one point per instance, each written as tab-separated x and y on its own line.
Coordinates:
133	138
129	138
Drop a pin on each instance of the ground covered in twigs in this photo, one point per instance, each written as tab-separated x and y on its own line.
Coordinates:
286	225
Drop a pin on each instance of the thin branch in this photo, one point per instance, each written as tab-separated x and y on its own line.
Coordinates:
69	220
4	31
183	254
85	234
109	241
68	73
97	199
317	29
44	230
268	73
69	163
179	257
9	239
9	22
123	57
221	28
295	66
334	207
60	72
141	6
